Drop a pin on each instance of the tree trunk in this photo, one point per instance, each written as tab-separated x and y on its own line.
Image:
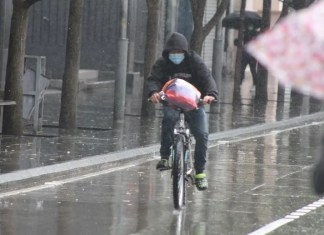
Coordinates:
284	10
72	64
261	93
283	14
200	31
238	60
152	33
198	10
12	116
196	41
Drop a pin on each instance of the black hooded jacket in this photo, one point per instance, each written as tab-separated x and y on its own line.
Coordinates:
192	69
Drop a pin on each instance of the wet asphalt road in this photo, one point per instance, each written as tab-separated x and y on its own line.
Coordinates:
253	182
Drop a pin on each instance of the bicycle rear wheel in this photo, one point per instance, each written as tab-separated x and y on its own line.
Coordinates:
178	173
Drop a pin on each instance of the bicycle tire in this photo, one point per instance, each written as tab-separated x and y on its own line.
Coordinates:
178	173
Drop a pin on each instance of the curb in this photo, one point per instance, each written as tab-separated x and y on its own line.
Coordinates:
266	127
36	176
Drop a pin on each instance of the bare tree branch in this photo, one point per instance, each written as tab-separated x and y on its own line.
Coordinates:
200	31
212	22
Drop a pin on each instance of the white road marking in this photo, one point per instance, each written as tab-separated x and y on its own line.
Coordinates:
271	227
288	218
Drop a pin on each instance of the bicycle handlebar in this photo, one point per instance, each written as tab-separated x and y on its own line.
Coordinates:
163	100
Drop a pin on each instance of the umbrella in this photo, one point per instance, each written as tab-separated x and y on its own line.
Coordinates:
293	50
233	20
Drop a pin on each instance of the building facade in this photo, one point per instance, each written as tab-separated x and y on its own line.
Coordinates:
47	31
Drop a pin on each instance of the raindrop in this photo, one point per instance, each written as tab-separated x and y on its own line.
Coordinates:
39	205
6	204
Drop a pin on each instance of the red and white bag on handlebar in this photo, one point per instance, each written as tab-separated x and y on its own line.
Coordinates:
181	94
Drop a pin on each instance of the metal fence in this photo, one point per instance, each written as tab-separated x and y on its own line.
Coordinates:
47	32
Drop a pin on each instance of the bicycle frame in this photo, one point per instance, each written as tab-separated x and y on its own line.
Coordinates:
184	130
182	164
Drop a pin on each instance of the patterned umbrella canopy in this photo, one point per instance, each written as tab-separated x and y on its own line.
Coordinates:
293	50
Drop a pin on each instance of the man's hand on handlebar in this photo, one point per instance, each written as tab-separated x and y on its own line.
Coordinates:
155	98
208	99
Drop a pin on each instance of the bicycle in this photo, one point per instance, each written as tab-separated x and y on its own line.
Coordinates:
184	97
181	160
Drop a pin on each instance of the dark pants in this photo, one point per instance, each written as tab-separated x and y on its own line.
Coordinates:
198	127
251	61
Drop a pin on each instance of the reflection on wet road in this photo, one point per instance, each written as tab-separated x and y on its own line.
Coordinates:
253	182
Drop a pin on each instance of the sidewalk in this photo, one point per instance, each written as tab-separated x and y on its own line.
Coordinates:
101	143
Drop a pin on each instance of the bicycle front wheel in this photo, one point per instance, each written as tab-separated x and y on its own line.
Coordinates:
178	173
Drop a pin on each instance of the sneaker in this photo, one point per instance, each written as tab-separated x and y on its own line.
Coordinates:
163	165
201	181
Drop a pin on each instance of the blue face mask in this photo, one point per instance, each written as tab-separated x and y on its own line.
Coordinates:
176	58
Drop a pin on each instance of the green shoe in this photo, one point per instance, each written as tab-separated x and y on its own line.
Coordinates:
201	181
163	165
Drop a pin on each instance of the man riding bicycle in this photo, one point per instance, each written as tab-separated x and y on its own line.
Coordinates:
178	62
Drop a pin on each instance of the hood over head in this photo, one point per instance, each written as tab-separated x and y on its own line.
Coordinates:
176	41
